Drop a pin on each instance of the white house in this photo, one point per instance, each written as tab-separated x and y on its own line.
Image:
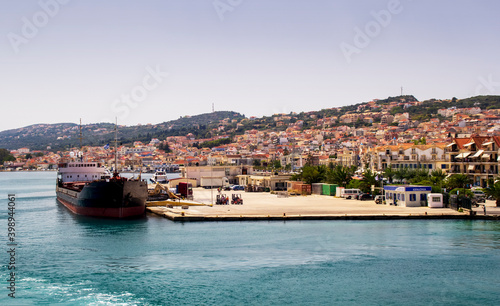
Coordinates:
407	195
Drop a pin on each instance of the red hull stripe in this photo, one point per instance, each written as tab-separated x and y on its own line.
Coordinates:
124	212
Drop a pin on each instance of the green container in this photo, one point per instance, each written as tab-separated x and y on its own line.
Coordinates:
326	189
329	189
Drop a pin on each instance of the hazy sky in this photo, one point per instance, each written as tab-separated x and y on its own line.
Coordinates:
154	61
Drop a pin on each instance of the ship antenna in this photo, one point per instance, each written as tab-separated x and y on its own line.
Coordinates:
81	137
116	147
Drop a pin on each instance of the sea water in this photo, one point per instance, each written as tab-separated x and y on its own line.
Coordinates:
64	259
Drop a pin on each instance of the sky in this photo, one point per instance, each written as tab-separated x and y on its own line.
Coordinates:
152	61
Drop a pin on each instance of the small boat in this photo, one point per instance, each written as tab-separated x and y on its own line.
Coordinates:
159	177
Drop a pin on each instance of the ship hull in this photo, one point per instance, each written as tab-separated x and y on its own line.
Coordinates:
107	199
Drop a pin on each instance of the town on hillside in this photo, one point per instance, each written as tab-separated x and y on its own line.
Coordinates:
368	137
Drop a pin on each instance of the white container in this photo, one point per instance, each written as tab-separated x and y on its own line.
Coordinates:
435	200
338	191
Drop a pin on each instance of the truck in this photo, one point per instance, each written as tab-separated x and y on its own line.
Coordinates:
185	190
214	182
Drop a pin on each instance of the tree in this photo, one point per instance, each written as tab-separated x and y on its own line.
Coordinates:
420	141
389	174
277	164
437	177
369	179
340	175
165	147
418	175
6	156
356	184
457	181
494	191
313	174
400	174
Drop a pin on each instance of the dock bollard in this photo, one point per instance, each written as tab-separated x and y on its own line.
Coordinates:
182	214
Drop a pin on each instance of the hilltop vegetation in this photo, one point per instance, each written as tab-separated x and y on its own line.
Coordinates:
65	135
62	136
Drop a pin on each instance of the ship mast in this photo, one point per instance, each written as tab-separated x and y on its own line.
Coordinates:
80	154
115	174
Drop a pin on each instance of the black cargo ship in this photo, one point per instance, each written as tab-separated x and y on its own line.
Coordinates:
87	188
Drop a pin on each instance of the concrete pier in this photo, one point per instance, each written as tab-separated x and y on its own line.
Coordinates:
266	206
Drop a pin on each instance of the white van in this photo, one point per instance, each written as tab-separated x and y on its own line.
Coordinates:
349	193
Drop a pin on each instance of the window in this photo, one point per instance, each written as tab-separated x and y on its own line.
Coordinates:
422	197
436	199
413	197
430	166
403	197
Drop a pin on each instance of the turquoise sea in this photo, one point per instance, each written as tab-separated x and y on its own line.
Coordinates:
63	259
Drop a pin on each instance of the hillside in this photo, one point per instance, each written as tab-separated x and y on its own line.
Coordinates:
61	136
65	135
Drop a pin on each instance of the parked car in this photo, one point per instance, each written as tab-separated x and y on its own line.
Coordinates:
379	199
238	187
365	197
479	196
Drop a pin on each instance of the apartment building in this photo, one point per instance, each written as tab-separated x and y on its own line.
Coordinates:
476	156
407	155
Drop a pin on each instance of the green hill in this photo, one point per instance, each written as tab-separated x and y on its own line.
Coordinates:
62	136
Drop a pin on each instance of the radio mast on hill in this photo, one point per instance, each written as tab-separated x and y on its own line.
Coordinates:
213	108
